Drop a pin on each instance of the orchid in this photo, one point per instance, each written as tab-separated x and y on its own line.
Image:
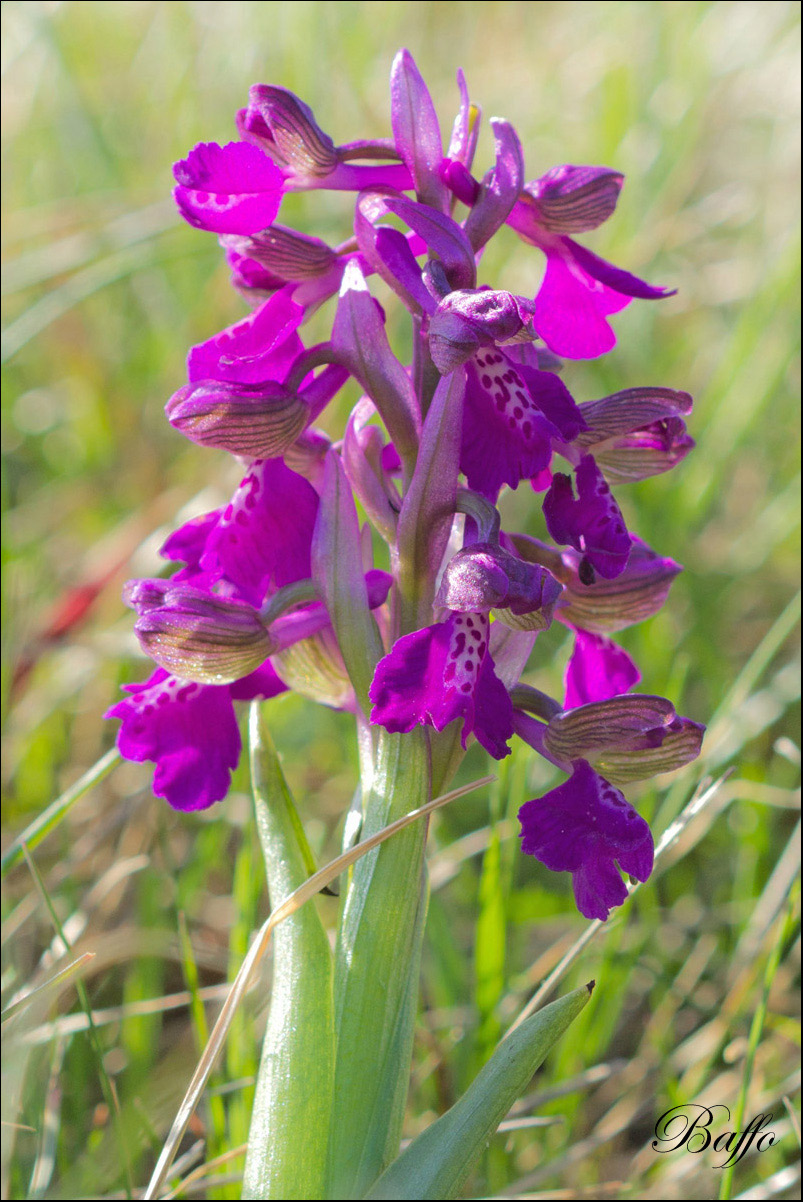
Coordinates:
278	590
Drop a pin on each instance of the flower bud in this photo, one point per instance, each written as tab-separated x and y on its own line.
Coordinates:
571	199
199	636
470	318
285	127
485	577
500	188
363	463
258	421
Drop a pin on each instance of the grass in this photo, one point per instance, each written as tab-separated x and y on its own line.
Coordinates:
103	292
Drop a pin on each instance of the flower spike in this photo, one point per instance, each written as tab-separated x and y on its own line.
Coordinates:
277	589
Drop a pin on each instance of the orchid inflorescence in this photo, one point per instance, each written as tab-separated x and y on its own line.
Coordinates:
441	639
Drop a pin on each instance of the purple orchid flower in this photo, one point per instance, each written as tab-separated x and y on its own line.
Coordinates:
238	188
580	291
591	522
636	433
189	731
514	411
263	346
440	674
586	827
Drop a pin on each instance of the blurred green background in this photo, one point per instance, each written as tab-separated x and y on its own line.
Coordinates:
104	289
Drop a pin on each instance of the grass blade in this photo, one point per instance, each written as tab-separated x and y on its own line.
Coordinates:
48	986
44	823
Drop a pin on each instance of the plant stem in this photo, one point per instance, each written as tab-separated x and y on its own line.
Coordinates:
376	973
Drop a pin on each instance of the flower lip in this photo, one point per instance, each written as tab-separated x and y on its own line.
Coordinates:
443	673
591	522
586	827
231	189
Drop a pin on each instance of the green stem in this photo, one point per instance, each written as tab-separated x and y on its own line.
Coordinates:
287	1141
376	973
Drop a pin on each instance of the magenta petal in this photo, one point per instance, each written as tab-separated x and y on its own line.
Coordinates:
493	712
263	539
554	400
188	730
570	310
442	673
585	826
188	543
597	670
261	347
232	189
592	522
505	437
614	278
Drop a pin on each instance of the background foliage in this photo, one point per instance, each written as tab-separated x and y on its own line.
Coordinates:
104	290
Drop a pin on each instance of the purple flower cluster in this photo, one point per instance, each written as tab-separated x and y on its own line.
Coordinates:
426	452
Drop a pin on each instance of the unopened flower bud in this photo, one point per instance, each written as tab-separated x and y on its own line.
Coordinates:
286	128
259	421
470	318
485	577
199	636
572	199
416	131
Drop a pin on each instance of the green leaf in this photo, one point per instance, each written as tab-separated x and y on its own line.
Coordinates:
378	958
294	1083
437	1163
